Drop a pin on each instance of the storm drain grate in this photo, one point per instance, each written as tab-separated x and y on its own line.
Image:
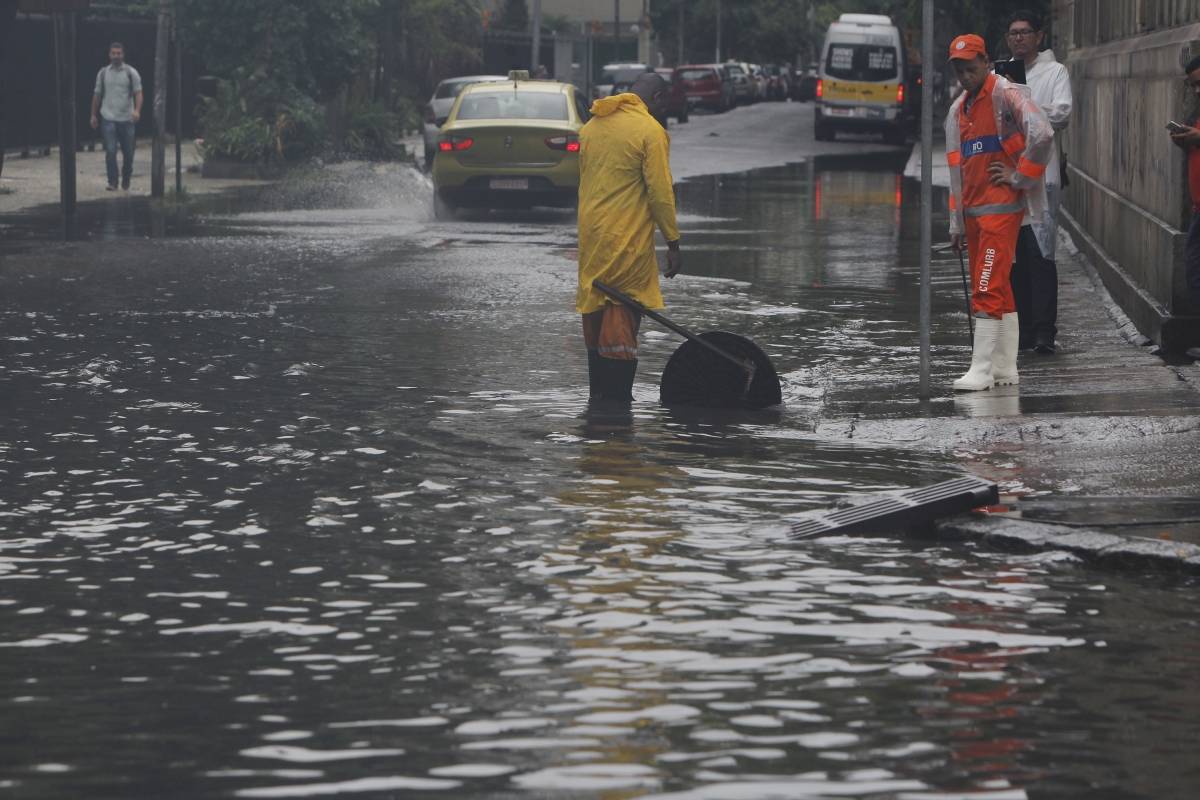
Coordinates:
895	511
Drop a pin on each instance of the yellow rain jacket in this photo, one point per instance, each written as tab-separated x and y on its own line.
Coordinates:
625	189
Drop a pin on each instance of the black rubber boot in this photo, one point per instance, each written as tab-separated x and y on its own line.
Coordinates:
623	373
615	379
595	375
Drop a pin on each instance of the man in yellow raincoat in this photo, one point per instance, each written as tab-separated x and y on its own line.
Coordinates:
625	191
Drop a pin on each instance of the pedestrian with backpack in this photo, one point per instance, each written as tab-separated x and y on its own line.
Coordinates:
116	109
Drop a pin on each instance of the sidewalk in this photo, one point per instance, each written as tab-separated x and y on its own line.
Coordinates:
30	182
1104	411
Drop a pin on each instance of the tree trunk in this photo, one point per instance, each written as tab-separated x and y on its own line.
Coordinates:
64	52
388	56
158	170
8	16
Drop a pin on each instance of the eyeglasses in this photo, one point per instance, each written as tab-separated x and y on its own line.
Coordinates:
1020	33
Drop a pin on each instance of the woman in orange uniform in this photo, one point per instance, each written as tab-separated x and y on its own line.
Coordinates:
998	142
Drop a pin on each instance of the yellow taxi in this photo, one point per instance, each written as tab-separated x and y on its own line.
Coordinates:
513	144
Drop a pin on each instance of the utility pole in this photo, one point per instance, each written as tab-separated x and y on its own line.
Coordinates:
535	50
161	50
926	185
64	74
719	15
680	57
178	101
617	29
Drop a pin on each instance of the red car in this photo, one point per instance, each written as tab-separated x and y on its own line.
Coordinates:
706	86
677	104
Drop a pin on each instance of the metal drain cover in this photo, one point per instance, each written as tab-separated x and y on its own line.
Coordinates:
890	512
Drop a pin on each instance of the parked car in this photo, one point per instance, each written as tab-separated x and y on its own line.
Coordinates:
804	83
706	86
439	105
510	145
677	102
778	82
744	89
617	78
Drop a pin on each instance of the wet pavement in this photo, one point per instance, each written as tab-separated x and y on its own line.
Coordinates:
309	501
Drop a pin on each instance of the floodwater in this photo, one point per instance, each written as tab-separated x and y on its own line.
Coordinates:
309	502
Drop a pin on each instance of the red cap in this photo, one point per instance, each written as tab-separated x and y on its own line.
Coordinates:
967	47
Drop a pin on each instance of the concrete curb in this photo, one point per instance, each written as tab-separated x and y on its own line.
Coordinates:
1103	549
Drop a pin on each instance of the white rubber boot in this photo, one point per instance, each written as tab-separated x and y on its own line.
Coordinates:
1004	363
979	376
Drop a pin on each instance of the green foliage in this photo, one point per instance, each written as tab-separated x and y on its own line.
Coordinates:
557	23
372	131
782	30
514	16
230	129
408	114
298	71
247	121
439	38
316	46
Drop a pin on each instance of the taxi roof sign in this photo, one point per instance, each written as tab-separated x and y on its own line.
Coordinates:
518	74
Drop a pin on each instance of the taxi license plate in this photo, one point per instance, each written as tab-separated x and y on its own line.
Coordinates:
509	184
840	112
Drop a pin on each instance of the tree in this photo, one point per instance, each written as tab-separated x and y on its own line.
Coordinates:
296	72
779	30
514	16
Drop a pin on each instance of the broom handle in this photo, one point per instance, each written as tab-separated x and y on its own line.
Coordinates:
628	301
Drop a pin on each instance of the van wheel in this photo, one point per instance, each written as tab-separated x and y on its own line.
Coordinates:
822	132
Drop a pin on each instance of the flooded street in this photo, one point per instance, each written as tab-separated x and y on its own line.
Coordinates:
311	502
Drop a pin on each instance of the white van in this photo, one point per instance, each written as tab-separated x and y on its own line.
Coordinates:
861	79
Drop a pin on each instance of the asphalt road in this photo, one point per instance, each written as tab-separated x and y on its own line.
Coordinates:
304	497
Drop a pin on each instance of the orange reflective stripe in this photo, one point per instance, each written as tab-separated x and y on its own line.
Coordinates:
1014	145
1029	169
953	203
953	158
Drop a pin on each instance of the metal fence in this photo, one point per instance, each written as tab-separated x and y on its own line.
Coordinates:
27	68
1099	21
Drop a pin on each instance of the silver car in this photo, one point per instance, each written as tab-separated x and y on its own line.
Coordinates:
438	108
617	78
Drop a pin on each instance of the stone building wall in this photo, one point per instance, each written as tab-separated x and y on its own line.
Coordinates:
1127	203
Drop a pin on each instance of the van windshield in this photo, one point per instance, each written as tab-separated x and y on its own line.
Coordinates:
861	62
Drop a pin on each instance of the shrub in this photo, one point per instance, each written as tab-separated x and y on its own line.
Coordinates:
371	131
253	121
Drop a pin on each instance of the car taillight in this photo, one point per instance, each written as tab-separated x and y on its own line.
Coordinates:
820	88
570	143
900	95
450	144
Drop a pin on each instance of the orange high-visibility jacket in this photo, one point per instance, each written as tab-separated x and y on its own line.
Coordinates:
1017	132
